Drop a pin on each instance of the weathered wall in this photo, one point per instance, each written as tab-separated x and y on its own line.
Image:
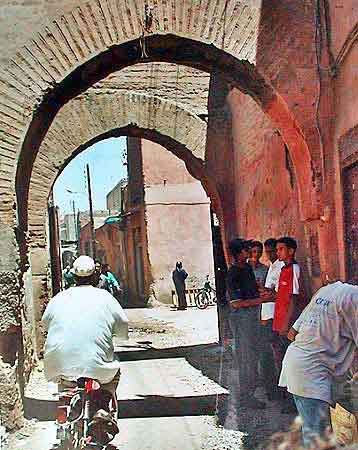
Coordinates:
136	220
267	192
10	300
161	167
220	153
10	400
182	85
344	17
266	189
177	219
110	239
41	293
21	20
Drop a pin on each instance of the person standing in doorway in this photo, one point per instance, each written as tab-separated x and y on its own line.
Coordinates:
179	277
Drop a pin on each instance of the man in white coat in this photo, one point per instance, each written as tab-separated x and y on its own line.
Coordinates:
81	323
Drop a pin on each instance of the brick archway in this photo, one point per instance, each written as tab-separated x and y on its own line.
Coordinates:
105	115
100	36
83	121
96	38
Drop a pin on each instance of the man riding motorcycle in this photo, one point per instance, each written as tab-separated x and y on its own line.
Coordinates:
81	322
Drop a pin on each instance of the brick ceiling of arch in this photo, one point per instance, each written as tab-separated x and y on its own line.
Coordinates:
96	113
187	87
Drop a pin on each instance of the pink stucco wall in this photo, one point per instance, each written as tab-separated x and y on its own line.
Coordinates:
178	221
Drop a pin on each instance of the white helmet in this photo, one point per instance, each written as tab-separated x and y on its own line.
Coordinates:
83	266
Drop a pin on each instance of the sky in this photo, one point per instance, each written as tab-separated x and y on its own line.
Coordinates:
106	169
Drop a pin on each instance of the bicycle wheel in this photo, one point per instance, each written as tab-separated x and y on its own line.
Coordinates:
212	297
202	300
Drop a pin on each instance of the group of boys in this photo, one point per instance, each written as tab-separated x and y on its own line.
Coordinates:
264	303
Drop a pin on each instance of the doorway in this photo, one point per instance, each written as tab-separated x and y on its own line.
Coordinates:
350	190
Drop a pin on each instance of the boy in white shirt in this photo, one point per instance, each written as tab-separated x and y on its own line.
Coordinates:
325	339
267	354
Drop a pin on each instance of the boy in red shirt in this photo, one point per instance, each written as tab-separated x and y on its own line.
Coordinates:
287	304
288	289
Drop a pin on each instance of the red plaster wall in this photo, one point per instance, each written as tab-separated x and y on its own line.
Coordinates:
110	240
135	171
85	236
344	15
286	55
137	220
266	203
264	195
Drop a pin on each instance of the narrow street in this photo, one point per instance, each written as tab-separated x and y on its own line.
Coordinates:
174	380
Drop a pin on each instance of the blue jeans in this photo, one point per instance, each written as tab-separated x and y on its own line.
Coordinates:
315	415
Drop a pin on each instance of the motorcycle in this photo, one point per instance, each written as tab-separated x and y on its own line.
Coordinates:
86	417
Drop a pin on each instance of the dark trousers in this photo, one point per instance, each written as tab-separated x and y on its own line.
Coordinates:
245	327
267	360
181	298
224	325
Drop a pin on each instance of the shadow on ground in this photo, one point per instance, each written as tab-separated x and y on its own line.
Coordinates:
215	364
145	406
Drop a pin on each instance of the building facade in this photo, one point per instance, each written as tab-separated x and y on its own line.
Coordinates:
114	199
68	227
86	241
167	220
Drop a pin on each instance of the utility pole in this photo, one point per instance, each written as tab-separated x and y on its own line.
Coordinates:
55	246
93	236
74	221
